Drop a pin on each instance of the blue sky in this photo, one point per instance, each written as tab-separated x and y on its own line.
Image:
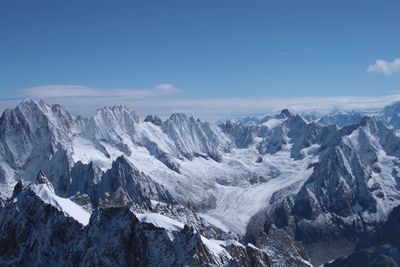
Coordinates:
199	49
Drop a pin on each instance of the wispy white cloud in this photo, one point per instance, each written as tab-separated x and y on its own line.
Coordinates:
57	91
385	67
164	100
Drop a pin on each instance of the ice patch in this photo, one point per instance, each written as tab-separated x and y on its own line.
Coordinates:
85	151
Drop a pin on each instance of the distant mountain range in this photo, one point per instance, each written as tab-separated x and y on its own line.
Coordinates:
285	190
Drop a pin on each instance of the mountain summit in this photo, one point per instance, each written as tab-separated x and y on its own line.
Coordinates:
325	185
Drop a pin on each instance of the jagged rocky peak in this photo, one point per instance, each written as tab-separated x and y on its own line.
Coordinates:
31	131
383	251
193	137
349	174
125	238
352	188
40	228
284	114
34	115
119	112
242	135
153	119
41	178
32	106
292	124
332	177
82	200
55	114
19	186
116	116
124	163
369	122
282	249
375	136
35	230
336	110
111	123
288	128
341	118
140	188
179	117
228	124
251	120
392	109
391	115
83	178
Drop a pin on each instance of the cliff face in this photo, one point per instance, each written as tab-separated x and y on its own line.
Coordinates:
326	182
383	252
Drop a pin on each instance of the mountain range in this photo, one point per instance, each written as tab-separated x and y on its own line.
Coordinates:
285	190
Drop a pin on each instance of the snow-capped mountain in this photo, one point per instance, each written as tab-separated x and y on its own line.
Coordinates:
342	118
323	182
192	161
123	177
38	227
351	191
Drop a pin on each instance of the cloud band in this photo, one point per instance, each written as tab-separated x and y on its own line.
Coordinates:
162	100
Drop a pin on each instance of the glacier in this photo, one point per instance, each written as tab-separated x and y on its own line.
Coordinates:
324	180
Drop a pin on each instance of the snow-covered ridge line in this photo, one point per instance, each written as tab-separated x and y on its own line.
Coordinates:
212	163
115	235
167	223
207	176
160	221
64	205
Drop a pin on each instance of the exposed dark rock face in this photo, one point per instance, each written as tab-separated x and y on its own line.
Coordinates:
34	232
155	120
123	178
341	119
385	252
115	236
344	180
247	255
282	249
18	188
84	178
340	180
243	135
391	231
164	157
338	205
190	135
287	129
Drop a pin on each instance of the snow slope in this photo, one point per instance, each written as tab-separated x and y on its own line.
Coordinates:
195	161
160	221
62	204
229	172
169	224
235	205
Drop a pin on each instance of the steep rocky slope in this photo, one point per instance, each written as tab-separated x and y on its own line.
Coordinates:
37	227
350	193
325	183
383	252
